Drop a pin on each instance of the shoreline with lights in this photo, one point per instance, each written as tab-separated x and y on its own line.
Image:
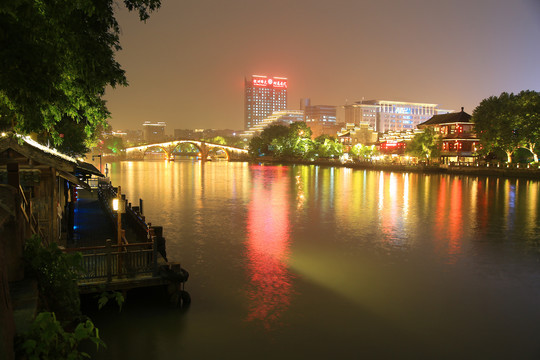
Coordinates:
487	169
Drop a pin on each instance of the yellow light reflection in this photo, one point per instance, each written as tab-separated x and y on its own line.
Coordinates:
405	197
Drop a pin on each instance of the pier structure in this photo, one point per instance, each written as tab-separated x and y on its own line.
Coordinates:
137	259
205	148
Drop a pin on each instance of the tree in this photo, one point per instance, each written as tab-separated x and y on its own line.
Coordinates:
328	147
218	140
426	144
56	59
284	141
262	145
74	139
298	140
497	124
527	110
363	152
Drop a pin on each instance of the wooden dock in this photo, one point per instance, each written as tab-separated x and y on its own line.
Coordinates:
120	266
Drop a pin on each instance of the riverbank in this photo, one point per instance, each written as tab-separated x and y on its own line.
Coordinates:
473	170
493	170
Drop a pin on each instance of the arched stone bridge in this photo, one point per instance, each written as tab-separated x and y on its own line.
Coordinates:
233	153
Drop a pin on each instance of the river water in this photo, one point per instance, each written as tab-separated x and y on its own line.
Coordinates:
308	262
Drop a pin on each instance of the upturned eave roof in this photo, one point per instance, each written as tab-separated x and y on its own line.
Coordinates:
457	117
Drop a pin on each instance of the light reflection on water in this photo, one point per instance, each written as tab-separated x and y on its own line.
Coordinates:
312	262
267	246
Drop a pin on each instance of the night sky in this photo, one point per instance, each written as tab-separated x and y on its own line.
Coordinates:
187	64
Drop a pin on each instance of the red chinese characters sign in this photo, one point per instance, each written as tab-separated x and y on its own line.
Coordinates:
260	81
274	82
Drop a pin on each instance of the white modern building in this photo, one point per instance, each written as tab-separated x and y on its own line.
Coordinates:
384	115
285	117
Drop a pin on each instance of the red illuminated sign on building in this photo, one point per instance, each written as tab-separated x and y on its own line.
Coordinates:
392	146
260	82
278	83
275	83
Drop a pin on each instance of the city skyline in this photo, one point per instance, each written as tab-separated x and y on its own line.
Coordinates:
186	66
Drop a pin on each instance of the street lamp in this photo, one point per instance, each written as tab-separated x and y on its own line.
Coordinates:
119	206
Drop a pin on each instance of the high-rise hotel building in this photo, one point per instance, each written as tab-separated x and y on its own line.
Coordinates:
263	95
385	115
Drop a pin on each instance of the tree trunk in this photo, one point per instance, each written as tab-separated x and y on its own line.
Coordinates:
509	157
531	148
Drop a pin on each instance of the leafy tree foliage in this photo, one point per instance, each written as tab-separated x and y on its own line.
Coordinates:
262	145
294	141
363	152
425	145
218	140
508	122
496	124
527	110
74	138
327	147
47	339
110	144
56	273
56	59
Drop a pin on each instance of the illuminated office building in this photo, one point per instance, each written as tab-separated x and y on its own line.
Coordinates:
154	132
386	116
263	96
320	114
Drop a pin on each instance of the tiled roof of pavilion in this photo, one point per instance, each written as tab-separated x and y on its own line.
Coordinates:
457	117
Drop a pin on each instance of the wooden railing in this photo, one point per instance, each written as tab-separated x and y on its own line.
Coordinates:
133	214
127	260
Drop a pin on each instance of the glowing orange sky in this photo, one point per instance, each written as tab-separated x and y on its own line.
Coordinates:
186	65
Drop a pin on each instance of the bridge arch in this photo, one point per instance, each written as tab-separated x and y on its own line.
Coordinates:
178	144
138	152
219	148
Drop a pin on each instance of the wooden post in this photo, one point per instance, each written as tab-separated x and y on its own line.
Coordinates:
119	231
154	256
108	250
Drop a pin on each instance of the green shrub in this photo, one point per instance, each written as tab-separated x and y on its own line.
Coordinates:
56	273
46	339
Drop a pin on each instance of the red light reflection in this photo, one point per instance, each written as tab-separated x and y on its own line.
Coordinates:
449	219
267	247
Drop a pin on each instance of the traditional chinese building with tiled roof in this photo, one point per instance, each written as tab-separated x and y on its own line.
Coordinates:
459	140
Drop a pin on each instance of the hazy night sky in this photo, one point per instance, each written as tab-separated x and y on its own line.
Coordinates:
186	65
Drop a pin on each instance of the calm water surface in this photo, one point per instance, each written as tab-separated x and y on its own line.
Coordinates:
307	262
